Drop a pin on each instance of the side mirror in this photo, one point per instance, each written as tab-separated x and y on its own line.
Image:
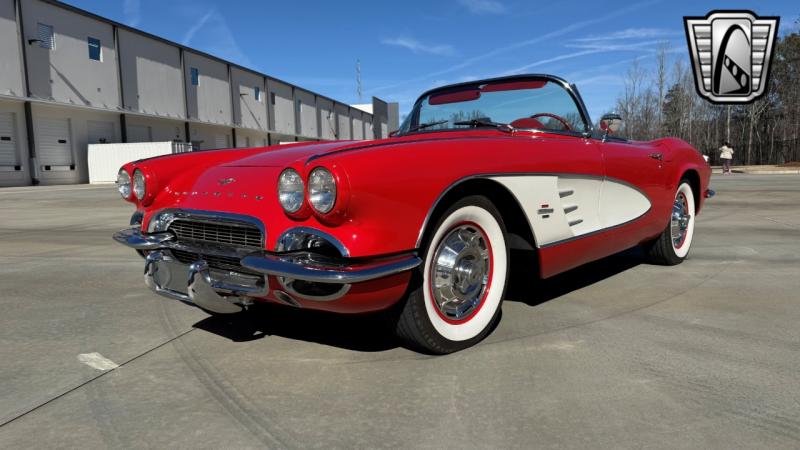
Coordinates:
609	124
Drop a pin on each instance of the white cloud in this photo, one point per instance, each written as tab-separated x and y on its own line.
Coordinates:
632	33
132	10
212	34
483	6
418	47
587	49
187	38
520	44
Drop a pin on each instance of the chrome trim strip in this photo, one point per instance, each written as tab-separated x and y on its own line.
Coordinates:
303	266
592	233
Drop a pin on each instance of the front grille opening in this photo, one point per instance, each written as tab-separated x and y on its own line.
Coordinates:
236	235
214	261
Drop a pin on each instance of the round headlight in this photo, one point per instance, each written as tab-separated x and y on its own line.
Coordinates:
138	184
290	190
124	184
322	190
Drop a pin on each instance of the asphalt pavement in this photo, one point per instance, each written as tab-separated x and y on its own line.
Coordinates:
615	354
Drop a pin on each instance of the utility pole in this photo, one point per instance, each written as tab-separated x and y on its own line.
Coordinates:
359	91
728	126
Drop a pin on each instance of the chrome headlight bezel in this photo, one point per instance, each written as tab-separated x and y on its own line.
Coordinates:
322	190
124	184
291	191
139	184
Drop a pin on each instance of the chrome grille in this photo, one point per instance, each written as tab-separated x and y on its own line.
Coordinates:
238	234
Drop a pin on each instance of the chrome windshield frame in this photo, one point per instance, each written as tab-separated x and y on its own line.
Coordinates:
570	88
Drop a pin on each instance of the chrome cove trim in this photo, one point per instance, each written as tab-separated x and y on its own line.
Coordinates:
309	267
161	220
208	289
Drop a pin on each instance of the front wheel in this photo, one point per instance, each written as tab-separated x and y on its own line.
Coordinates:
672	246
459	289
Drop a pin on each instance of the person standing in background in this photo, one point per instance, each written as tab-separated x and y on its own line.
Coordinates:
726	155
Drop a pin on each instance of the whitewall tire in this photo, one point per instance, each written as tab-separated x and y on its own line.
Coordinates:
459	289
674	243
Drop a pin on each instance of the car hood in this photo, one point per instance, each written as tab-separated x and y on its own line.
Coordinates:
285	155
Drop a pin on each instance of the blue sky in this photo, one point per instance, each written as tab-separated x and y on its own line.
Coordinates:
408	47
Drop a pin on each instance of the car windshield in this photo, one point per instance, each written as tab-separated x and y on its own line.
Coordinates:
539	104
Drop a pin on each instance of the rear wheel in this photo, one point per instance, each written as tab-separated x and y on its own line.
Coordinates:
459	289
672	246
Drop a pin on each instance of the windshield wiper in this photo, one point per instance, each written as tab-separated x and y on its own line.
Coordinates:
422	126
486	123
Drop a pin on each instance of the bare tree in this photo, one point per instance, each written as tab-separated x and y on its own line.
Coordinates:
663	102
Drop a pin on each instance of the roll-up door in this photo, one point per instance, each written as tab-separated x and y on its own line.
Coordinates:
100	132
221	141
9	154
140	133
55	144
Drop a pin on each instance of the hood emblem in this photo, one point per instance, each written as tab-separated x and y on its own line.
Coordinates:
224	181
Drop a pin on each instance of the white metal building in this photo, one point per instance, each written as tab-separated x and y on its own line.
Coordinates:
69	78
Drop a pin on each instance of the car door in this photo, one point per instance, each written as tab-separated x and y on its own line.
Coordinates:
634	188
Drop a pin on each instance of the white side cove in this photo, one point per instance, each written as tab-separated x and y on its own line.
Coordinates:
562	207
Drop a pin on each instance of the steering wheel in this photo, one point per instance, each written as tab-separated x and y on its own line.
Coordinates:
554	116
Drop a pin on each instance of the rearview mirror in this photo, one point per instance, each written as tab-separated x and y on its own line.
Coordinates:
610	123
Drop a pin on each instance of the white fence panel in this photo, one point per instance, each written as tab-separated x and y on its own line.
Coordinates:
106	159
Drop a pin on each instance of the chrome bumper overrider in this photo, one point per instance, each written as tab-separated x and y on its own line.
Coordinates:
221	290
217	291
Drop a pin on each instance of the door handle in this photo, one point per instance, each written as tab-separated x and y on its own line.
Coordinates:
658	156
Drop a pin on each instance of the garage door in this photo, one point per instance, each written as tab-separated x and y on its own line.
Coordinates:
55	147
100	132
8	141
221	141
140	133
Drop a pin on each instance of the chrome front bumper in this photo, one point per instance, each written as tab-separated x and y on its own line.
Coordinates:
223	291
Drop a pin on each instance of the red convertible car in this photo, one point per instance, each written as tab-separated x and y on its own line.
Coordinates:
422	221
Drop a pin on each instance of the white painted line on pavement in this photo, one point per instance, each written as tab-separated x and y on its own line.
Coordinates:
97	361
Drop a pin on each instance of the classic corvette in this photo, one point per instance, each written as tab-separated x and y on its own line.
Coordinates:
421	222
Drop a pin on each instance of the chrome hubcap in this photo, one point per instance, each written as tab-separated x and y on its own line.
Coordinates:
460	271
679	223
